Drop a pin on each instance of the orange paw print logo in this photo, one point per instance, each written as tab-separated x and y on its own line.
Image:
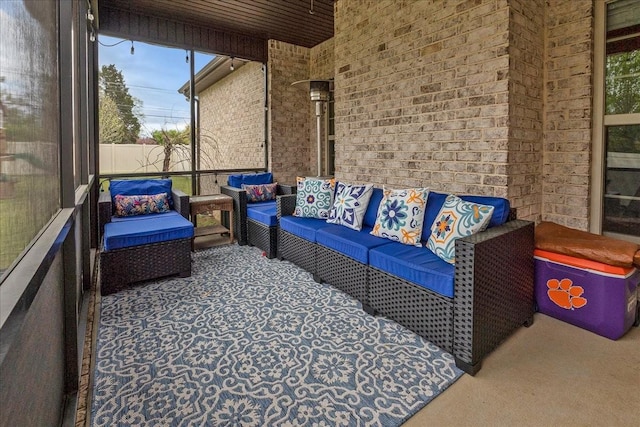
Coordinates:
564	294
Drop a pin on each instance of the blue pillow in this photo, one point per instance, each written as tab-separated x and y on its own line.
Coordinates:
136	187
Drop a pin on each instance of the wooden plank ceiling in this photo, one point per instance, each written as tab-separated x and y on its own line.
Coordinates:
286	20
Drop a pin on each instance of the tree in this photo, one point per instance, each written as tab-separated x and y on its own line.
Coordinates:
112	128
111	83
172	140
623	97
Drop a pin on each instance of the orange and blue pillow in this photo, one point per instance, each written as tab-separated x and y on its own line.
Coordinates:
457	218
314	197
401	215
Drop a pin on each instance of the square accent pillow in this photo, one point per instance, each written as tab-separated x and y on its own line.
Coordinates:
314	197
401	214
260	192
350	204
141	204
456	219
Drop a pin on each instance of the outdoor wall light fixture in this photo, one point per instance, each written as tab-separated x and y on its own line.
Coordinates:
319	93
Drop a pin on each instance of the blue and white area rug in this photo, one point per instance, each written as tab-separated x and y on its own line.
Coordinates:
248	341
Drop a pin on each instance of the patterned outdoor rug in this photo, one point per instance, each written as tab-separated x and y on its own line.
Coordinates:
256	342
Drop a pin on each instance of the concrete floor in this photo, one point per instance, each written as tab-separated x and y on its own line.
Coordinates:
551	374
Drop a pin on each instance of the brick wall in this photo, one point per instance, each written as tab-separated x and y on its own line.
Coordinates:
289	123
232	127
422	94
487	96
567	112
526	81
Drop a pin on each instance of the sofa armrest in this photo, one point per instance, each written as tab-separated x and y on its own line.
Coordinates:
180	202
286	189
105	210
239	212
285	205
494	289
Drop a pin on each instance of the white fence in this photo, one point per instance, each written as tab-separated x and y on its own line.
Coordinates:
125	158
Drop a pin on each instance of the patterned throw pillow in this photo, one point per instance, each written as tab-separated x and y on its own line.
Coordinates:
141	204
401	214
456	219
314	197
350	204
260	192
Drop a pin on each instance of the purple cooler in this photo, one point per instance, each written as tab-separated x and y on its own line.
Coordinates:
598	297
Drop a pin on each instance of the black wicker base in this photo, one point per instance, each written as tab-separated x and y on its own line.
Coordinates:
426	313
342	272
263	237
299	251
121	267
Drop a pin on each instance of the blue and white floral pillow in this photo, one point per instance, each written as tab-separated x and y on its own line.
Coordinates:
457	218
350	205
314	197
401	214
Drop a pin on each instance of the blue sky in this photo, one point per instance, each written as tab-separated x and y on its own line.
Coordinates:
153	74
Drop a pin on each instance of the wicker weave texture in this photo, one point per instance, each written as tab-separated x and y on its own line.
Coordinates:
494	292
263	237
426	313
285	205
121	267
239	196
299	251
342	272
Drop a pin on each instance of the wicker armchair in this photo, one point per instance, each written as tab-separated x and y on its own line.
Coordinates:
249	230
123	266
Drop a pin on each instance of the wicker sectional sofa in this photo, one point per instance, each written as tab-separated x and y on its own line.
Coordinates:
491	285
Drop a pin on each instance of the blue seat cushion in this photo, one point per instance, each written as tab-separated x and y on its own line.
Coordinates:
415	265
304	228
145	229
436	200
263	212
139	187
349	242
237	180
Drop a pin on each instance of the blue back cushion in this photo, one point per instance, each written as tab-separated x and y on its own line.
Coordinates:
237	180
372	210
135	187
436	200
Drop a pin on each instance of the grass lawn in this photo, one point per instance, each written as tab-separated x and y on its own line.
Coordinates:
23	215
35	201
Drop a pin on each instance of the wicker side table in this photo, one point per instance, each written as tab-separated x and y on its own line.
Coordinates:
206	205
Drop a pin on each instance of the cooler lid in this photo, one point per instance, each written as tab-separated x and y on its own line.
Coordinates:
585	264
